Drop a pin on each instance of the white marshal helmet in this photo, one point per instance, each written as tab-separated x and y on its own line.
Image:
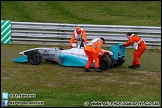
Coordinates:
92	41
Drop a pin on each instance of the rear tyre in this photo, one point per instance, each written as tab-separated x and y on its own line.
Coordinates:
105	62
35	57
120	61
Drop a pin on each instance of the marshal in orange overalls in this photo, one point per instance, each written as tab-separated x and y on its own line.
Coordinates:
78	34
92	51
139	46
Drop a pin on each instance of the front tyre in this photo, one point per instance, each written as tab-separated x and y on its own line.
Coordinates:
35	57
105	62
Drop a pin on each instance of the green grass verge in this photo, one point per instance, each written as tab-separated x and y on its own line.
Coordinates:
138	13
57	85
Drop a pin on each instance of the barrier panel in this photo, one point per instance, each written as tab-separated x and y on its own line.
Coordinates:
5	32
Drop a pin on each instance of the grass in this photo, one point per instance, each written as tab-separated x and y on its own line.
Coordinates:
139	13
57	85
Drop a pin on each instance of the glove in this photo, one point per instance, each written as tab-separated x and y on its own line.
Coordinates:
121	46
70	47
62	48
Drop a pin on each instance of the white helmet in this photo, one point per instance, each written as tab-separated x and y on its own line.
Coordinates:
92	41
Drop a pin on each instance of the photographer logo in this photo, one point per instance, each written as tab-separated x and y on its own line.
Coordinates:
5	95
4	102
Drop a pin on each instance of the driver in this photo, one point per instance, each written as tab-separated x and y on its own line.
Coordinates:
92	50
78	36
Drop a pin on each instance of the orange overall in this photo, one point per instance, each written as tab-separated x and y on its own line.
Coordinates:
78	35
92	52
139	48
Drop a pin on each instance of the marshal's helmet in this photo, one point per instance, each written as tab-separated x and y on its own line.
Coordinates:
78	30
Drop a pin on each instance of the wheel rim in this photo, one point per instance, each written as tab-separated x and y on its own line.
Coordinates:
35	58
102	62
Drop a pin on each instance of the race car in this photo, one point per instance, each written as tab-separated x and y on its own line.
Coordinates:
72	57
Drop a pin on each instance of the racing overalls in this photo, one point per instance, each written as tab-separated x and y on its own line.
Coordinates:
77	38
139	46
92	50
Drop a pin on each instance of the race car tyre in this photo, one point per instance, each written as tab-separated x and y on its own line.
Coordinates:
35	58
120	61
105	62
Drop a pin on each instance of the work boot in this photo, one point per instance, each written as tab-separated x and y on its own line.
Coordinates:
130	66
87	70
97	70
137	66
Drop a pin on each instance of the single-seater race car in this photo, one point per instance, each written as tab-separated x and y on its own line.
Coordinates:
72	57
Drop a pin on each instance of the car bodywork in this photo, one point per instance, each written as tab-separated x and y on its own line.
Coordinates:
71	57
